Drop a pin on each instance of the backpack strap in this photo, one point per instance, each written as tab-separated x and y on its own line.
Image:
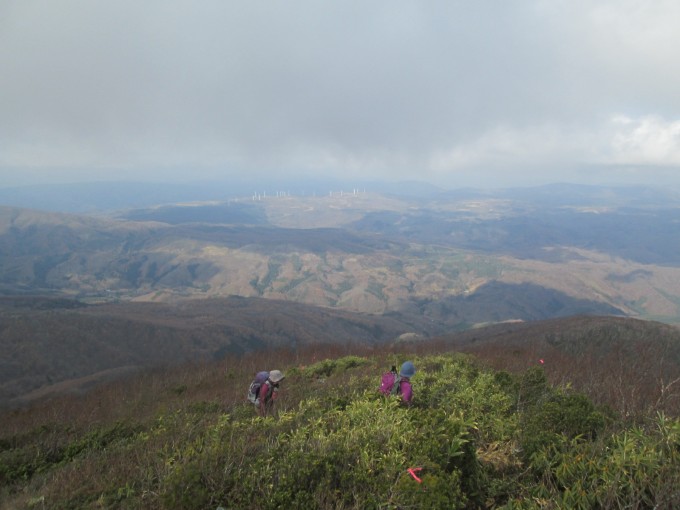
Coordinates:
396	387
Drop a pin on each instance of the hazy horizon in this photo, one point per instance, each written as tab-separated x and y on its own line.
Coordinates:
481	94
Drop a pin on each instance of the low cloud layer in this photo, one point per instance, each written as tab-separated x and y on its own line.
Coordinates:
451	92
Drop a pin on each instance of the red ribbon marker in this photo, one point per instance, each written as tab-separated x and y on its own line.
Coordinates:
412	472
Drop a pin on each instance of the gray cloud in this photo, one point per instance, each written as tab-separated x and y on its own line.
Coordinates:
523	91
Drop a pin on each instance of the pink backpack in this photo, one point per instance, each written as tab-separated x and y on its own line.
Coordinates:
390	383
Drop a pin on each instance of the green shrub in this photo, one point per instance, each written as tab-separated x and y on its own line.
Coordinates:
354	454
322	368
46	448
629	469
327	367
436	489
218	466
352	362
475	439
562	417
532	388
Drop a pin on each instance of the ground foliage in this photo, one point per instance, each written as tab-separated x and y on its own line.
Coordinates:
474	438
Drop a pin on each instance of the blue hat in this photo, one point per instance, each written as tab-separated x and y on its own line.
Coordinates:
407	369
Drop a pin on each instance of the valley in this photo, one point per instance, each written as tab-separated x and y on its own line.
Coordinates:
87	295
359	251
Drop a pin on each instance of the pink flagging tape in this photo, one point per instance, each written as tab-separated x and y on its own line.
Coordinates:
412	472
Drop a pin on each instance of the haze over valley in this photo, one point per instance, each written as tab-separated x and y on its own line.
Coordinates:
206	279
364	251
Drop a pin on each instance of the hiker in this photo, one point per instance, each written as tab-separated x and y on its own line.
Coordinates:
263	391
407	371
394	383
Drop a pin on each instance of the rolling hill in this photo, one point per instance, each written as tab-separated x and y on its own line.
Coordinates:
54	344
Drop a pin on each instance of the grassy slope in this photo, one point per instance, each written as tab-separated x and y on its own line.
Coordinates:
185	438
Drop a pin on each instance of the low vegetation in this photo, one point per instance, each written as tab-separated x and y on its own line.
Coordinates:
476	437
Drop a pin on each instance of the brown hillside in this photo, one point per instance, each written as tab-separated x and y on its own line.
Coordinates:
626	363
48	341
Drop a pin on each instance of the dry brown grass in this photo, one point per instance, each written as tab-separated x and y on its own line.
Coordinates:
634	380
634	384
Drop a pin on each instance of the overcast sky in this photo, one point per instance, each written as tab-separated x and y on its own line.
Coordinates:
453	92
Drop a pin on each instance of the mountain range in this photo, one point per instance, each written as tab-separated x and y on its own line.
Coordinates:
102	290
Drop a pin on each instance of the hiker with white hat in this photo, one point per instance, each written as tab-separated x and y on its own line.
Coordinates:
266	394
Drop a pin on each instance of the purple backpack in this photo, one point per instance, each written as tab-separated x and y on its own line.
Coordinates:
254	388
390	384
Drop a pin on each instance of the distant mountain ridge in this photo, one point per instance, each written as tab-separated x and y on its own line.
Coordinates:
98	197
360	251
205	280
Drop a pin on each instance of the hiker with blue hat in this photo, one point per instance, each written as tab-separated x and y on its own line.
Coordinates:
407	371
393	383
